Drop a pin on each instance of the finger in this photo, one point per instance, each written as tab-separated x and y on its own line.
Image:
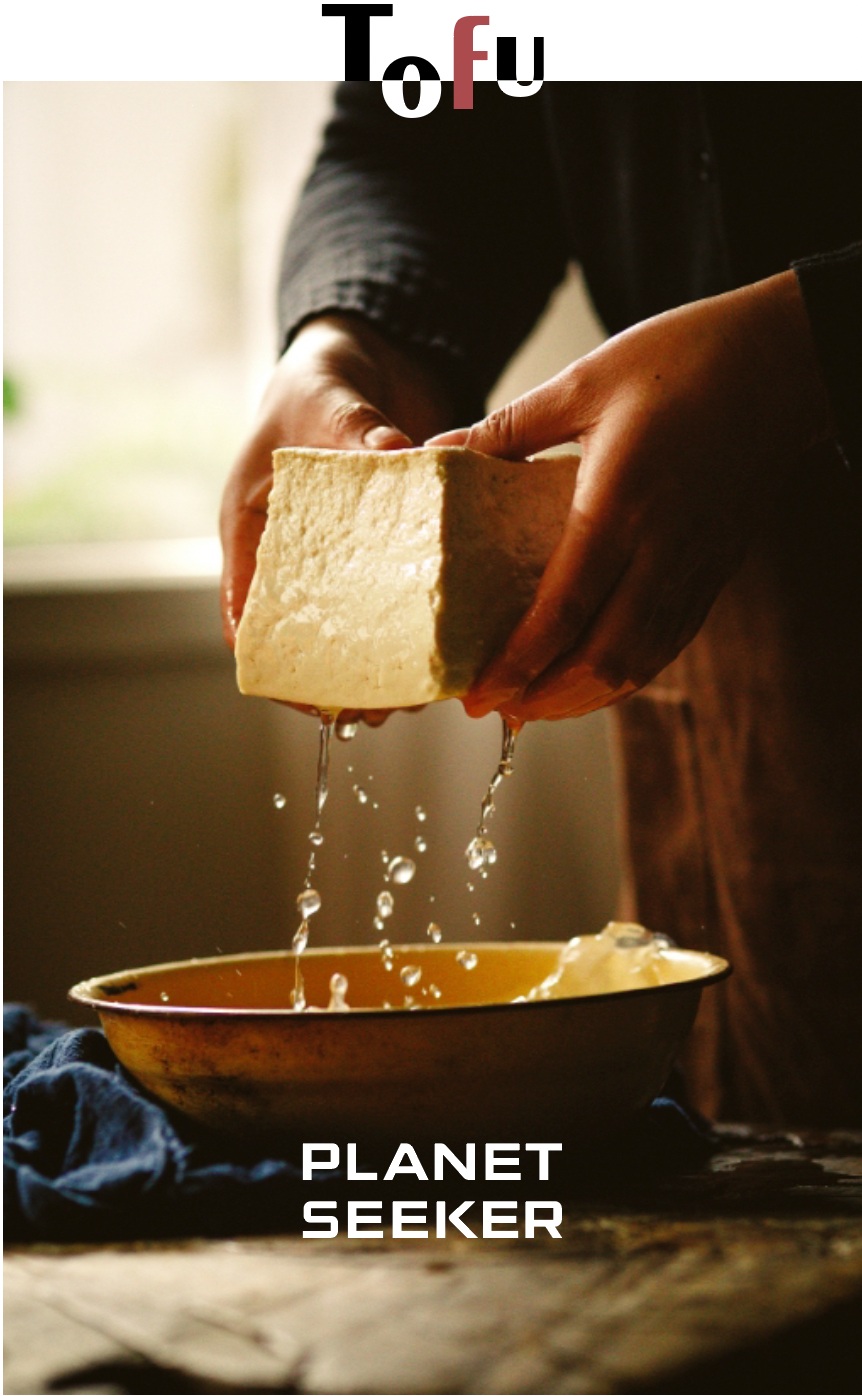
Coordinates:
582	571
375	717
555	412
349	422
241	527
583	697
449	438
657	607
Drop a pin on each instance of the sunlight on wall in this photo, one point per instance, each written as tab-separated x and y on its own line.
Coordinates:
143	228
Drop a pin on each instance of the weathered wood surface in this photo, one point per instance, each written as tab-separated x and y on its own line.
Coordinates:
743	1276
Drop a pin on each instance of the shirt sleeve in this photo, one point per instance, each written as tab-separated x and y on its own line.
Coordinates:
831	287
444	231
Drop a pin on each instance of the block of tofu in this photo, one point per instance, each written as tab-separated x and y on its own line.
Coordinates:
386	579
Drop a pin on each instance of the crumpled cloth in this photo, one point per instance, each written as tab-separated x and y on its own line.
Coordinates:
90	1156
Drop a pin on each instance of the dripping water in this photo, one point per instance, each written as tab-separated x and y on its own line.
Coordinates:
308	902
480	852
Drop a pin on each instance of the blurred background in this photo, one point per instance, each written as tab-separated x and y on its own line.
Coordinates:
144	810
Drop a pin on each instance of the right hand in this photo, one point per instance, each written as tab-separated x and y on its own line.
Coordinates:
340	385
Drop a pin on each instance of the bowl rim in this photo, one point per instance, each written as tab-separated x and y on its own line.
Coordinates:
83	992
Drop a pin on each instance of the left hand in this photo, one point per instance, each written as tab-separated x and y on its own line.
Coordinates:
689	424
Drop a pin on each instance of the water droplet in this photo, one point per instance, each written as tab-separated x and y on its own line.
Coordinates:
480	852
361	795
315	837
300	939
378	923
298	997
279	801
625	939
384	944
402	870
434	991
419	844
512	924
165	998
374	804
386	1005
384	856
385	904
408	1000
338	990
410	975
434	932
308	902
466	959
432	899
420	814
477	920
387	962
346	731
470	887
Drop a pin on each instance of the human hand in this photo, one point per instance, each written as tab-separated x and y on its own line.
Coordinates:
689	423
340	385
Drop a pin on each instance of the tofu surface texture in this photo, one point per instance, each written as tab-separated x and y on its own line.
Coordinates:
386	579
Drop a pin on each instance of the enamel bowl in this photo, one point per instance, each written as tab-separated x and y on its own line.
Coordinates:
217	1039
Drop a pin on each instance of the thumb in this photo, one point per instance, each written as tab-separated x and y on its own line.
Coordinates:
549	415
351	422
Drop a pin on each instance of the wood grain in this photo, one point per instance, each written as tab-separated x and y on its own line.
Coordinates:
738	1262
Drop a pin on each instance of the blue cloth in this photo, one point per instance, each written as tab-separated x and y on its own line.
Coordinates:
89	1155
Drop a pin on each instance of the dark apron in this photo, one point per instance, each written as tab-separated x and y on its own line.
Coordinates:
743	789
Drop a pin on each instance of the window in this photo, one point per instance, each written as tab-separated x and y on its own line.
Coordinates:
143	227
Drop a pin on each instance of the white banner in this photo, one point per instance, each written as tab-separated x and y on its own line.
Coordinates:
278	40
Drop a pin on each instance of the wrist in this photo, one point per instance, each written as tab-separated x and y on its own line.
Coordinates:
789	360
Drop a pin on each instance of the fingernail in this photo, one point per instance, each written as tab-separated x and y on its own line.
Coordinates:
487	700
449	438
383	438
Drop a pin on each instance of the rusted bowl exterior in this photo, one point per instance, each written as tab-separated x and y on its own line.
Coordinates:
218	1040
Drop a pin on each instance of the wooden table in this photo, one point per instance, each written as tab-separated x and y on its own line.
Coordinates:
744	1276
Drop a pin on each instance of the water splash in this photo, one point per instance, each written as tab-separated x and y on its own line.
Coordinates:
338	990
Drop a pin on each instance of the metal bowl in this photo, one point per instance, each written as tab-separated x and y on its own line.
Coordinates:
218	1040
